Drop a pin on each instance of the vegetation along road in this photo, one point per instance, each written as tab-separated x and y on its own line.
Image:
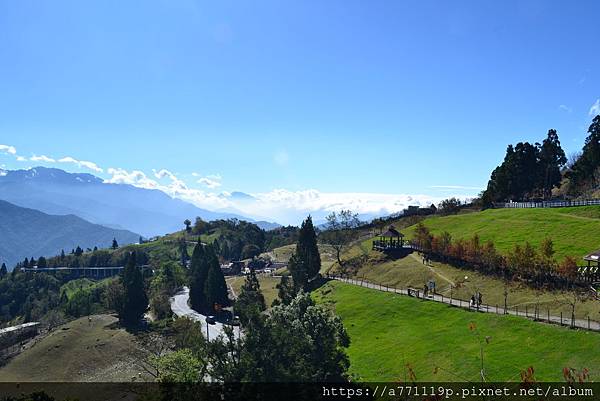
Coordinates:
180	307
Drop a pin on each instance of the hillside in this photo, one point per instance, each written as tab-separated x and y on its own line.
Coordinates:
435	340
27	232
54	191
571	229
79	351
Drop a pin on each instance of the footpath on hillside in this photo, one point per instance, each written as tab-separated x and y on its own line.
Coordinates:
459	303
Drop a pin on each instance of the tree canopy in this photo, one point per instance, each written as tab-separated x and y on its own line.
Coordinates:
528	171
135	301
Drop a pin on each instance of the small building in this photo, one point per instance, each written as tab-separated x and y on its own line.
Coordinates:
591	272
233	268
389	240
14	335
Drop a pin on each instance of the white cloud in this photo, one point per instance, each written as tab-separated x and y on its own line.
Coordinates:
290	207
42	158
565	108
81	163
210	183
595	109
11	150
135	177
455	187
21	159
176	188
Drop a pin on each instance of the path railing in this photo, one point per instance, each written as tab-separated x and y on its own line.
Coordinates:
535	314
544	204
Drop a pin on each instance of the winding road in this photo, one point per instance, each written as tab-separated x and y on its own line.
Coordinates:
181	308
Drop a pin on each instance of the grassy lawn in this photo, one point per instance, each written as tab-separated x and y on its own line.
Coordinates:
267	286
410	272
571	229
389	331
78	351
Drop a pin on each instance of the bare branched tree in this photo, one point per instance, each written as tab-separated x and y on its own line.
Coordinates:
340	231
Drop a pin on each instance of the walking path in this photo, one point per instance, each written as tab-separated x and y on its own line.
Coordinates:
565	321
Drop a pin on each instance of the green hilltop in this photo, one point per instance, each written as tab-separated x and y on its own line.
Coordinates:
572	230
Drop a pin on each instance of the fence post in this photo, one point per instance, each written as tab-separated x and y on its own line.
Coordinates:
548	315
561	318
526	311
588	322
517	309
497	309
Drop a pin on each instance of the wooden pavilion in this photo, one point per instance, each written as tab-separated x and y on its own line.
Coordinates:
591	272
391	239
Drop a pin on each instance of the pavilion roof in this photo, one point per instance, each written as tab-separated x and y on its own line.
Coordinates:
593	257
392	233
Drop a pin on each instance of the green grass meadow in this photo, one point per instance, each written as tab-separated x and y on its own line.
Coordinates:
389	332
574	231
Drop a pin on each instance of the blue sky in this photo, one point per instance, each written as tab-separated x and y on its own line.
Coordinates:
339	97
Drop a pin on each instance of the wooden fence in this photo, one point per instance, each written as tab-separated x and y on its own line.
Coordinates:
530	312
545	204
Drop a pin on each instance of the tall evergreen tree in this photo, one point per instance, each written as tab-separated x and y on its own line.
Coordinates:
198	276
216	287
584	168
3	271
285	291
297	268
183	253
551	160
115	244
135	301
307	250
250	300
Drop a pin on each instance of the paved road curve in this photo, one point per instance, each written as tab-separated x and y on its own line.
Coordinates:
566	320
180	307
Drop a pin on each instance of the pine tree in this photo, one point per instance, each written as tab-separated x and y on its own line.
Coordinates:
286	291
251	300
551	160
307	254
42	263
62	254
184	256
3	271
135	300
584	168
297	268
115	244
216	287
198	275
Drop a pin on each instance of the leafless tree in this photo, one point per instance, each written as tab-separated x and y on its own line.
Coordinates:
340	231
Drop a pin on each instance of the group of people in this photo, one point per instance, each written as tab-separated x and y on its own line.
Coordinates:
475	300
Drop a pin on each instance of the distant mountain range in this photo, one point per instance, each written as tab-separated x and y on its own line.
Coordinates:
30	233
145	211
